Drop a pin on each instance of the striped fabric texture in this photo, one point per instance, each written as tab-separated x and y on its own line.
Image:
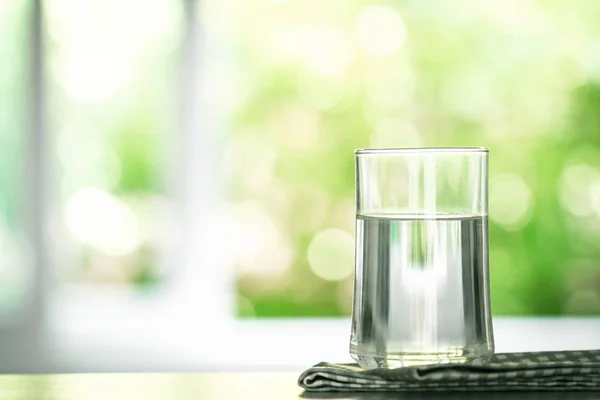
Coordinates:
553	370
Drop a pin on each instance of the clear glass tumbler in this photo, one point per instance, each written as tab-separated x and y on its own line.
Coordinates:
421	289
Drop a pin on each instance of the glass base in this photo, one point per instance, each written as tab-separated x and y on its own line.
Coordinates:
478	353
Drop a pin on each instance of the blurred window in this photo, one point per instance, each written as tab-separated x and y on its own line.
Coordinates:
112	83
15	255
216	143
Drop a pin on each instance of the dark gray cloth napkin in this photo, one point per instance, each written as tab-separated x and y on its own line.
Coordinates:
551	370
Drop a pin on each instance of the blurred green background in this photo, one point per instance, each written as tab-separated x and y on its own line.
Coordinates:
321	79
301	85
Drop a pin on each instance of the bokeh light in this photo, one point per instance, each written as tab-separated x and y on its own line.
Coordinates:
476	102
380	31
309	208
390	86
258	245
510	202
295	126
86	158
327	51
99	220
330	254
578	189
252	158
321	93
100	59
276	44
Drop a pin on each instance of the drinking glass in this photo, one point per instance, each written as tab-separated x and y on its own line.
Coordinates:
421	288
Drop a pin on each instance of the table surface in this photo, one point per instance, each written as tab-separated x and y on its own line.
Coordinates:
253	346
259	386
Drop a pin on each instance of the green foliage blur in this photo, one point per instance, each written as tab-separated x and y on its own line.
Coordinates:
317	80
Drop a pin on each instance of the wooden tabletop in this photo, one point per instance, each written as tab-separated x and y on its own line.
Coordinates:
259	386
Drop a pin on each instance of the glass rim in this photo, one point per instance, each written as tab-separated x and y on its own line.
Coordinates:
419	150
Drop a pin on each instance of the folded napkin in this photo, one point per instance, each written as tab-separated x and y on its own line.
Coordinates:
549	370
